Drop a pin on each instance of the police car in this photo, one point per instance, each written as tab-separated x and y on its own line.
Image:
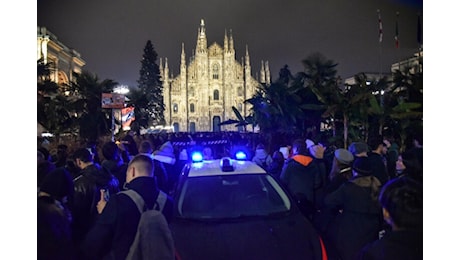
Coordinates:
231	208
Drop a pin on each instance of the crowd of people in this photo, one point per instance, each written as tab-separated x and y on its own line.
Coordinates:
363	200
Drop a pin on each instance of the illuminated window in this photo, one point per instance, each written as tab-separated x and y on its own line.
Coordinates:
216	94
175	108
192	108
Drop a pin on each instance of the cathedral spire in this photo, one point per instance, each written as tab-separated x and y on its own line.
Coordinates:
262	72
161	67
182	56
182	61
225	41
201	45
166	75
230	47
247	56
267	73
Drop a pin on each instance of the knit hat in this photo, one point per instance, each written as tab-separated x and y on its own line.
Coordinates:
58	184
362	165
165	153
357	148
343	156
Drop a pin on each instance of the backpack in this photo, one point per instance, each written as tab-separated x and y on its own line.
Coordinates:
153	238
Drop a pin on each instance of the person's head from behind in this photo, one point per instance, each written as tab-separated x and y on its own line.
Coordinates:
402	203
377	145
110	151
140	166
260	146
145	147
278	156
58	184
82	158
299	147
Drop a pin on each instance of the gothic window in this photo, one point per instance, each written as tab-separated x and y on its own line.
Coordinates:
240	91
216	94
215	124
192	91
215	71
175	108
192	108
192	127
176	127
240	107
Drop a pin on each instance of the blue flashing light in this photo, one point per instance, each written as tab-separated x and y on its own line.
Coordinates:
226	164
197	157
240	155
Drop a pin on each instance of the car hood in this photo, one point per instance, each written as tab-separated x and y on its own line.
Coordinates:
288	237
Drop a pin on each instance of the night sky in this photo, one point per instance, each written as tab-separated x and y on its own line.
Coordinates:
110	34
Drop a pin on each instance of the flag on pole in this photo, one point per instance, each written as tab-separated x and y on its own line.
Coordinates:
380	27
397	32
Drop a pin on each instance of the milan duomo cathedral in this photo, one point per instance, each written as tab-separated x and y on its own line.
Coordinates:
213	81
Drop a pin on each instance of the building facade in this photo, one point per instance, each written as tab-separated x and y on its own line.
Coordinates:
208	86
63	60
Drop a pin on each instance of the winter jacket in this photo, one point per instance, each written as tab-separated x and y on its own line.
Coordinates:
361	218
379	169
86	195
300	176
262	158
115	229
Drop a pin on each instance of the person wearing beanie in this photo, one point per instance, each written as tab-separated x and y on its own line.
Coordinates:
359	215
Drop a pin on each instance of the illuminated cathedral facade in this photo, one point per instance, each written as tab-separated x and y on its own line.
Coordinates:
208	86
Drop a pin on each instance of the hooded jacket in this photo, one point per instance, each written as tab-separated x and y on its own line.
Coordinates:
299	175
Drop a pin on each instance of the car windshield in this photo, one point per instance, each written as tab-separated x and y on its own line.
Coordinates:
234	196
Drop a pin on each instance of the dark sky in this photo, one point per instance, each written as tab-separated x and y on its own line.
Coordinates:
111	34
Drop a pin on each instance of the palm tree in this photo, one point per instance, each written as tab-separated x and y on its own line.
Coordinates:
52	104
87	92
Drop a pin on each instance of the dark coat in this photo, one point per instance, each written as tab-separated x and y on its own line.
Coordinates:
86	195
114	232
300	175
118	169
361	218
275	168
379	169
395	245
